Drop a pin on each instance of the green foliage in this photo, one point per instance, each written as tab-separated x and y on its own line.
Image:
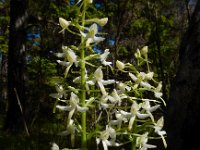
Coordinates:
4	23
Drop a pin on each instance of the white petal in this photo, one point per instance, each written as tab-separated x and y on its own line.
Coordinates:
149	146
90	82
93	28
54	147
67	69
55	95
145	85
106	63
158	94
104	56
112	99
153	108
131	122
149	76
161	132
133	77
64	133
98	39
98	141
89	41
77	79
83	34
82	109
74	100
104	105
60	55
115	122
106	82
64	108
112	133
105	147
142	116
71	56
126	114
160	122
70	114
159	87
63	63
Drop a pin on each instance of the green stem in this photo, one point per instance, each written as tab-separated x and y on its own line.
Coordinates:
83	91
133	144
133	147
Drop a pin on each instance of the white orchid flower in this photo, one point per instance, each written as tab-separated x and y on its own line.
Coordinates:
135	112
123	87
70	56
74	105
103	102
60	92
141	142
104	56
158	129
105	135
121	116
139	80
159	125
90	36
98	77
145	76
157	91
116	98
149	109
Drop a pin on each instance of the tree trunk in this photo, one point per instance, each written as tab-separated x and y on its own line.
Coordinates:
183	112
16	65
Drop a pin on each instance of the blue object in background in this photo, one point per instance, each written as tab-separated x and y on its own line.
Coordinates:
97	50
111	42
72	2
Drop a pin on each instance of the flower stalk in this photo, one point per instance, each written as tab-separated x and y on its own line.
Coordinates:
83	90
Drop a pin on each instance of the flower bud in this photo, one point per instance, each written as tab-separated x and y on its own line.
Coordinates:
137	54
98	74
120	65
71	56
101	22
64	23
144	50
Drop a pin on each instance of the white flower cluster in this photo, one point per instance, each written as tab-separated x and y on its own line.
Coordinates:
128	111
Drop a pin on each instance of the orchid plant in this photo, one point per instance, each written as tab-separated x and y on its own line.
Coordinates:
106	108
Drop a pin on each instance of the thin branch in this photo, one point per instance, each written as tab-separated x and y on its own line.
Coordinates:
20	106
